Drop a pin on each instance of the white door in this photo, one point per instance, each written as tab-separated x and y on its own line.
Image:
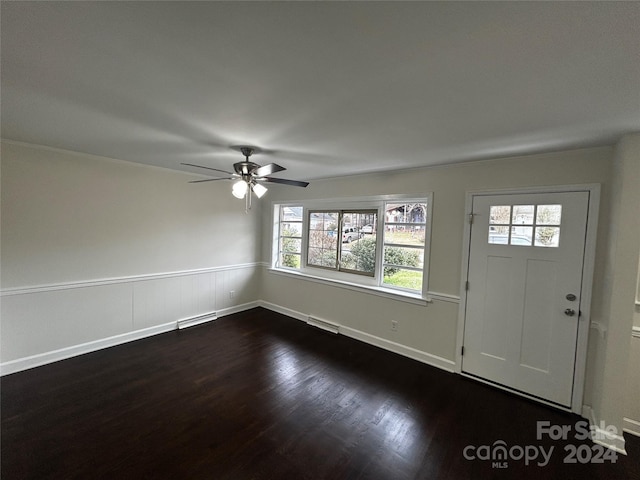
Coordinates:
523	300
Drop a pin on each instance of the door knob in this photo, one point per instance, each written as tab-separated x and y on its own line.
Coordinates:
569	312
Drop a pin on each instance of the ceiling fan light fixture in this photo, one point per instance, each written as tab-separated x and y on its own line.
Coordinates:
259	190
239	189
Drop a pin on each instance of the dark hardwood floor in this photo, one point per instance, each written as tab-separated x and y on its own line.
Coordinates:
258	395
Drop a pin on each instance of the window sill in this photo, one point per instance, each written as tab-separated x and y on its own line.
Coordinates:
371	290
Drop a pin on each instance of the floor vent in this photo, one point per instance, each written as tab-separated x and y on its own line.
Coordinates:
323	324
197	320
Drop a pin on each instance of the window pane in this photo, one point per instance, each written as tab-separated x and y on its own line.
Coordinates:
406	213
547	236
549	214
523	214
500	214
404	234
290	260
291	230
406	257
323	221
359	256
291	214
290	236
291	245
521	235
329	258
329	240
323	239
399	277
499	235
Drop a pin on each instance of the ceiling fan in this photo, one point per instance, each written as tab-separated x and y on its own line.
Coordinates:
249	176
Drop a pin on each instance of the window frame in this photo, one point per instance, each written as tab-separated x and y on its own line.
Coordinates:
350	279
278	252
339	243
426	248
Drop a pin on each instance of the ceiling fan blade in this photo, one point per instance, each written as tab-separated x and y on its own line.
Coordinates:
208	168
294	183
212	179
267	170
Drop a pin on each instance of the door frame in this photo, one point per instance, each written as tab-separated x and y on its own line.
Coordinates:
584	321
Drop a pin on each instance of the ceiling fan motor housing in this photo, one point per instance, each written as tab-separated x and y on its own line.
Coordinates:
245	168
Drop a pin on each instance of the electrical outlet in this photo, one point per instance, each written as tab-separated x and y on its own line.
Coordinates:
232	294
394	325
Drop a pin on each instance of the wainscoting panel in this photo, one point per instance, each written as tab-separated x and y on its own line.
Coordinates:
51	322
35	323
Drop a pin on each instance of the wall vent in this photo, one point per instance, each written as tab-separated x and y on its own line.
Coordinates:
323	324
197	320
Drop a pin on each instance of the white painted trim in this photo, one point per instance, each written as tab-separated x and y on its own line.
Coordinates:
419	355
443	297
115	280
635	332
238	308
40	359
371	285
283	311
371	290
631	426
32	361
604	438
587	277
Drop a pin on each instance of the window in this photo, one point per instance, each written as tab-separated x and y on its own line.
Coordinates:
371	242
337	241
290	237
525	225
405	227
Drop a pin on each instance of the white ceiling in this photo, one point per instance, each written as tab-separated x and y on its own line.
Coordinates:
325	88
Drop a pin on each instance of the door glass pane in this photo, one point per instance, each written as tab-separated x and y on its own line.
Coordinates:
547	236
522	215
500	214
549	215
521	235
499	235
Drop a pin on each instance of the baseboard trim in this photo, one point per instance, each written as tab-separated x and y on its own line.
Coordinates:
631	426
26	363
419	355
415	354
40	359
601	436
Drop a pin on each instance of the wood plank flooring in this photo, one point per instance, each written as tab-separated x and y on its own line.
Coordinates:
258	395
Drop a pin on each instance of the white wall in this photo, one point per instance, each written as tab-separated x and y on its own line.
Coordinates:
94	248
615	380
431	330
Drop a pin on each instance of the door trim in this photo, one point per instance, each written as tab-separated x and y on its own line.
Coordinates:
593	189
